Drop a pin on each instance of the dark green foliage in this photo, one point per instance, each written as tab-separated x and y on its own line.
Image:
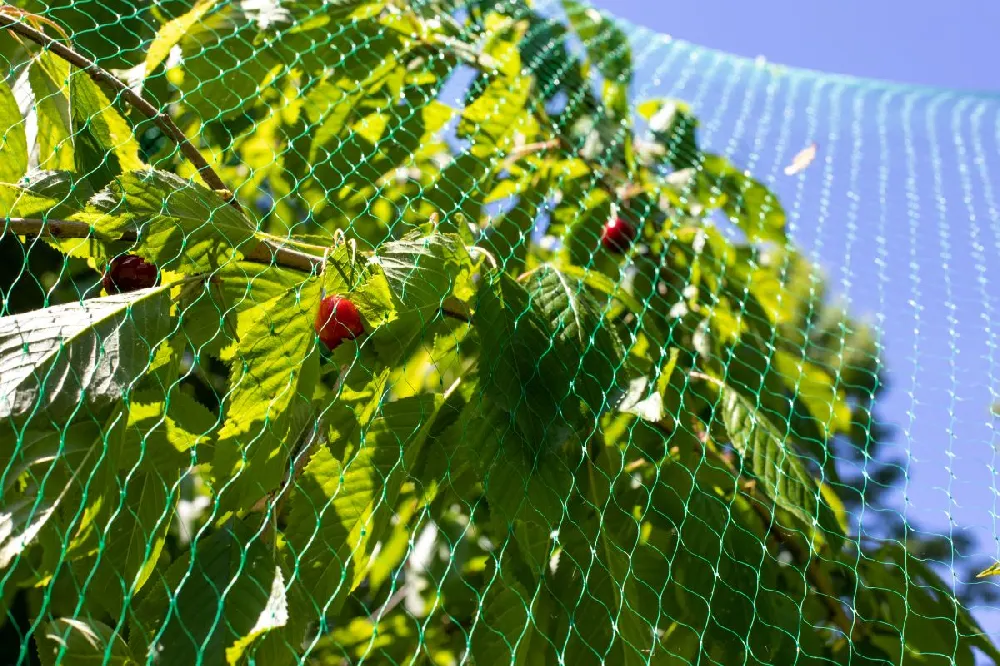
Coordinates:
533	453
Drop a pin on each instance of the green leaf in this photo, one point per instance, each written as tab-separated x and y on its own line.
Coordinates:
499	109
456	188
588	345
366	154
778	468
653	400
508	237
593	578
384	639
79	356
231	54
105	143
133	521
13	142
602	284
511	629
43	466
607	46
915	613
211	316
181	225
525	489
674	127
210	601
159	433
423	271
173	32
755	209
547	354
219	42
270	396
75	642
748	203
584	219
48	77
113	33
344	499
519	370
826	406
718	573
366	284
55	194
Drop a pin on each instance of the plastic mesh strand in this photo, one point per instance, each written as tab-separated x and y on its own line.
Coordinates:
541	563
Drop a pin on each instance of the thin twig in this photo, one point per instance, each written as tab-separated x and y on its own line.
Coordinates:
521	152
102	75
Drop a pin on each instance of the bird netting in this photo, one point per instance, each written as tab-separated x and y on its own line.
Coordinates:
468	332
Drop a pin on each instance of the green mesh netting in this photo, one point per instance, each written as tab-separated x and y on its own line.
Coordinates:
466	332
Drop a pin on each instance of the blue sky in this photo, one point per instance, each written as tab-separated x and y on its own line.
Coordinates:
901	207
950	44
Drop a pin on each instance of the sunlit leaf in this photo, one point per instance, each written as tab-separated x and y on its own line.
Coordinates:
271	384
13	142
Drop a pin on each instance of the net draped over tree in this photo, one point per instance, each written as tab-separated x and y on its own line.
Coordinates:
398	331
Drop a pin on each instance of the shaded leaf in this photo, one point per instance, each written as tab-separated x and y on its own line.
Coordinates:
73	642
163	427
79	355
520	372
913	612
778	468
210	601
607	46
55	194
586	343
43	468
593	578
104	142
343	500
511	629
133	521
425	270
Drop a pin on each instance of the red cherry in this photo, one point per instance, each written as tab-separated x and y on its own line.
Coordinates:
337	320
127	273
617	235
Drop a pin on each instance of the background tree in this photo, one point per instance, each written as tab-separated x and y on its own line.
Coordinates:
302	364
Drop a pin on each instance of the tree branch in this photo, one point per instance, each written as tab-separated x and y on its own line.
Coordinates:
102	75
266	253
